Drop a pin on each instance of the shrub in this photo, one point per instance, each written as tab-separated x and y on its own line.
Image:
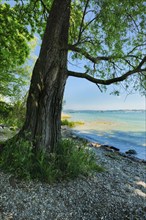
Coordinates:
5	109
71	124
13	115
68	123
69	161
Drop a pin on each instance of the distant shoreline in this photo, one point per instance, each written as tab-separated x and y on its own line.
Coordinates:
77	110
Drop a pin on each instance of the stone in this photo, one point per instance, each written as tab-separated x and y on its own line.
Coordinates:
131	151
110	147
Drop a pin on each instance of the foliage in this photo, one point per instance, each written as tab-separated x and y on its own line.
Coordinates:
34	14
109	36
17	115
13	115
16	42
15	80
112	31
71	124
5	109
13	44
70	160
14	37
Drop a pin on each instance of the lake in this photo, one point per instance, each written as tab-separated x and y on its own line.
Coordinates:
124	129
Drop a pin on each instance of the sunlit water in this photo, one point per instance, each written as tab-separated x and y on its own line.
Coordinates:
122	129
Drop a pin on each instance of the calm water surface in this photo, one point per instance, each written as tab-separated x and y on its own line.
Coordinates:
122	129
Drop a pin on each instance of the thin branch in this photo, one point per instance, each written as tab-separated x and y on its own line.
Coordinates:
98	58
134	22
87	55
81	26
141	63
116	66
22	2
127	61
99	87
88	24
45	7
140	45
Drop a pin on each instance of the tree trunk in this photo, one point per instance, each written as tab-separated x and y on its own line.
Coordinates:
43	115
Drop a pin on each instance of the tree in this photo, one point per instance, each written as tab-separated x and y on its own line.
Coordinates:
108	35
14	49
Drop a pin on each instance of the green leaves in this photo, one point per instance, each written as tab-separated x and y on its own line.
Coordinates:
14	47
13	41
114	29
102	28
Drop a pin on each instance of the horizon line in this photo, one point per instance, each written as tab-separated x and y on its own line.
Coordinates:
104	109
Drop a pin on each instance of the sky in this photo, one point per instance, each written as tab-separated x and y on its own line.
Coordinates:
81	94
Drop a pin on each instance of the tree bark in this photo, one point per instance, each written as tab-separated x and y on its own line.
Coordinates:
43	116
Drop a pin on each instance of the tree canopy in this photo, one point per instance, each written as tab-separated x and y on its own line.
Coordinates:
108	36
15	43
111	38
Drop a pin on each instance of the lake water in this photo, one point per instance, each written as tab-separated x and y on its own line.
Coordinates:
122	129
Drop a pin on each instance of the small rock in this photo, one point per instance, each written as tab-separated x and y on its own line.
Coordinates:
131	151
110	147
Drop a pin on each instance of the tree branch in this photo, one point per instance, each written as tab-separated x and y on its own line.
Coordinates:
87	55
74	48
112	80
89	23
140	45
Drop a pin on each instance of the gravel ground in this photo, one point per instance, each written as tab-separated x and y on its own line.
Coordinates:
119	193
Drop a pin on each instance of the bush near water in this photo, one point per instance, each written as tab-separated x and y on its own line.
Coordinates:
71	124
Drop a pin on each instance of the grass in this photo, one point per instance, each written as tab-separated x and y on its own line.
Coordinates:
70	160
71	124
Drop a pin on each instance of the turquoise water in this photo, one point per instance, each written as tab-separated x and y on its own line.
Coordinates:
122	129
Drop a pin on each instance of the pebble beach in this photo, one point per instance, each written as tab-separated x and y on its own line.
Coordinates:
118	193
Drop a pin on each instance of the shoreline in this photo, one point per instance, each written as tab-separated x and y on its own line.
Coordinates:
112	149
107	147
117	193
122	129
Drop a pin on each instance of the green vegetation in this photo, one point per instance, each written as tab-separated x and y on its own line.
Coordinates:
70	160
5	110
71	124
14	50
12	115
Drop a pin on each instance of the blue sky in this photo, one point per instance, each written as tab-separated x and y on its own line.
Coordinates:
83	95
80	94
